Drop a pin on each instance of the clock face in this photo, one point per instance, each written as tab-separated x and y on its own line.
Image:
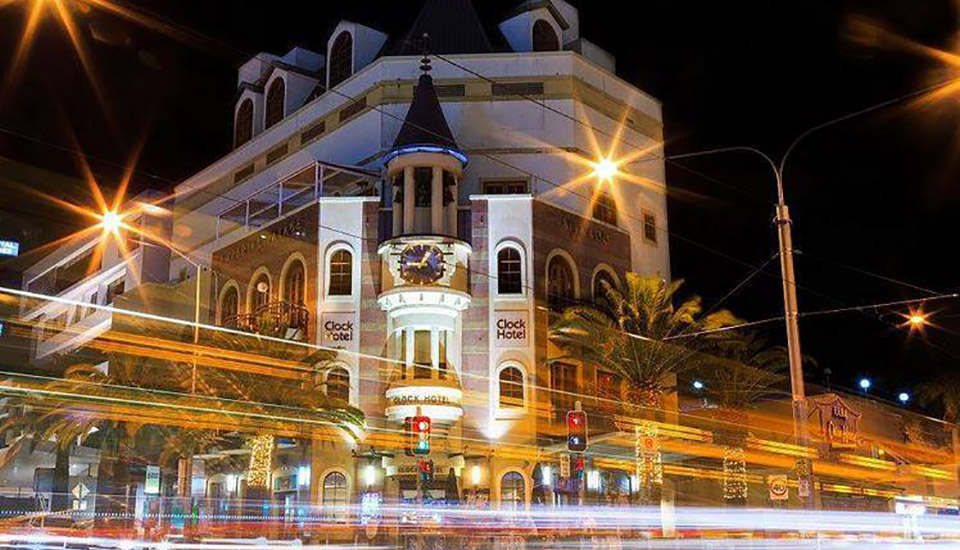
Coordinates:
421	264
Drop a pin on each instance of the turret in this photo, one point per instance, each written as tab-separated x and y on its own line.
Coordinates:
424	166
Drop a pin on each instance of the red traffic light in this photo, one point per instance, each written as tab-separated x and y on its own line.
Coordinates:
420	424
576	431
576	420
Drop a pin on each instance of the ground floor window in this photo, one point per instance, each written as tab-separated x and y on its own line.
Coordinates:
335	496
512	491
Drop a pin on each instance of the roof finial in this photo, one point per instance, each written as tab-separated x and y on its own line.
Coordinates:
425	62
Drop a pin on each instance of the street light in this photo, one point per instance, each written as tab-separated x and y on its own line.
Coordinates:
904	397
865	384
697	385
112	223
605	169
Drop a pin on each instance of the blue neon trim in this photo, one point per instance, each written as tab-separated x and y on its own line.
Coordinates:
426	149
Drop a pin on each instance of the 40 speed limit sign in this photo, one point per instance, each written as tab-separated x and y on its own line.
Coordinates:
779	490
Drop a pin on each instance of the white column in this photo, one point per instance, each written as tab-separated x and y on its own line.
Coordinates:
436	201
409	199
452	212
397	210
435	352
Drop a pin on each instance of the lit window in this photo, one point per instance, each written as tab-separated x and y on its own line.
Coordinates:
421	354
544	37
341	273
335	497
512	491
341	58
275	100
261	292
509	271
243	129
511	387
649	227
229	306
605	208
293	284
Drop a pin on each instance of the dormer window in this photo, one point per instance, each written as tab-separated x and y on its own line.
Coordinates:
544	37
243	128
341	59
276	96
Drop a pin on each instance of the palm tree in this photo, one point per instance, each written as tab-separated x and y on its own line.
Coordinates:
37	422
645	338
738	371
942	392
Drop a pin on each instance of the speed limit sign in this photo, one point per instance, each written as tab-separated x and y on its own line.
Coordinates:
779	490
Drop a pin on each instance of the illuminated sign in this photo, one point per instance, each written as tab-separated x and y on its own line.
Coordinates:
510	329
337	329
420	400
151	485
9	248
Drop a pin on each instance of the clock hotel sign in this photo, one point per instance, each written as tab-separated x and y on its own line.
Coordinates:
511	329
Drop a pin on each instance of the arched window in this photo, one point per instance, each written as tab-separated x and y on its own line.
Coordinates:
544	37
334	496
341	58
512	491
338	384
340	274
600	298
560	287
605	208
511	387
243	128
229	305
293	284
261	292
275	100
509	271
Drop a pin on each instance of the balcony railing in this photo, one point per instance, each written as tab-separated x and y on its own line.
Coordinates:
279	198
278	319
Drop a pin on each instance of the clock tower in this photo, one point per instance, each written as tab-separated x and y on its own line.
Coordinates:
425	265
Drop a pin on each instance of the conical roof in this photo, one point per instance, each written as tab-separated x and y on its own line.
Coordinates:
425	123
453	27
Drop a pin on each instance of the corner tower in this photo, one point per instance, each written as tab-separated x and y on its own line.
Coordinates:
425	275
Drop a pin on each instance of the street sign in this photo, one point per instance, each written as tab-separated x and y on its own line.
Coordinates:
151	485
565	466
779	490
80	491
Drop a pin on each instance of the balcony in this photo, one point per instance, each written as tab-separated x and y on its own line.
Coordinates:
305	186
277	319
432	392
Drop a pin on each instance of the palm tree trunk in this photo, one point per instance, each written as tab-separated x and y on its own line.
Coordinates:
60	498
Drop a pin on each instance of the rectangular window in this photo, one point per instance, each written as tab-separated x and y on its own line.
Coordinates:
402	351
313	132
506	187
353	108
563	383
422	186
517	88
421	354
649	228
243	173
276	154
341	274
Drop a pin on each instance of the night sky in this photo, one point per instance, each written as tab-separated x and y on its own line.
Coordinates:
874	199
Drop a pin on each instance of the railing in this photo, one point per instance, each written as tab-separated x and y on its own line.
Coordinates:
304	186
279	319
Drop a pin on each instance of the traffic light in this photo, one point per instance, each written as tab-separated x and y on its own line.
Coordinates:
426	470
577	431
420	428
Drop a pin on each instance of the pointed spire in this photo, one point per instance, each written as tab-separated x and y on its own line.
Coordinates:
425	124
